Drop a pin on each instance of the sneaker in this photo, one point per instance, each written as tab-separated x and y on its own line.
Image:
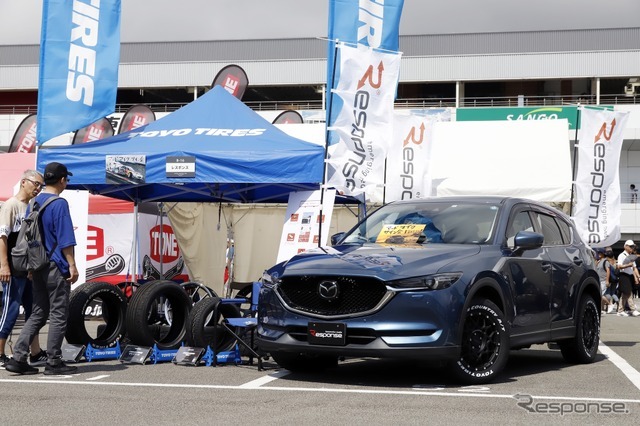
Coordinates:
38	359
610	308
3	361
59	369
635	313
623	314
20	367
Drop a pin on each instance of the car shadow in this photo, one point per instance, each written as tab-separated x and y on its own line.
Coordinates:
375	372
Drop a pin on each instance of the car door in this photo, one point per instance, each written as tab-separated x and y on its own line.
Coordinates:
566	265
529	274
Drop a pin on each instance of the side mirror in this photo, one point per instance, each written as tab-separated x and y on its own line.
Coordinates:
527	240
336	238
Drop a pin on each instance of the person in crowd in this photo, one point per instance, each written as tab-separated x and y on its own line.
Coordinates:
634	193
628	276
16	288
612	277
51	285
603	272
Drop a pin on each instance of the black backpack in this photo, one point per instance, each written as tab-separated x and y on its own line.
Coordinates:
29	253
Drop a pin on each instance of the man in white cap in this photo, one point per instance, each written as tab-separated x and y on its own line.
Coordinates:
628	278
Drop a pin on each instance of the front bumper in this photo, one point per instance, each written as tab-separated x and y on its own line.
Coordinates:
413	324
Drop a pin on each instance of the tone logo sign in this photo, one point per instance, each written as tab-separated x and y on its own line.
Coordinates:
165	238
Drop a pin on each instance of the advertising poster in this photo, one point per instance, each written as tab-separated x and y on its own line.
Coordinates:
301	229
110	248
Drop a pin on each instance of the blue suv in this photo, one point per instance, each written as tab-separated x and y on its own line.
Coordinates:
461	280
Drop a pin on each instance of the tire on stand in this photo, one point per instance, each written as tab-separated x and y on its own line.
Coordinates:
582	349
203	326
101	306
157	315
484	345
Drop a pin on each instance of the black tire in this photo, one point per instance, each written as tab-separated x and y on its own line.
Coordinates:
203	326
157	315
484	347
113	306
197	291
583	348
304	363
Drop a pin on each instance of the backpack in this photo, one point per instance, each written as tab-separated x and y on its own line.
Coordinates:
613	273
29	253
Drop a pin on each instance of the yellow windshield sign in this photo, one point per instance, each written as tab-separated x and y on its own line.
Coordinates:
400	234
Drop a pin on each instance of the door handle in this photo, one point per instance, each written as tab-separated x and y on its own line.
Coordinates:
577	261
546	266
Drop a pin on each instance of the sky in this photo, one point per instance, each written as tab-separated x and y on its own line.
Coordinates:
190	20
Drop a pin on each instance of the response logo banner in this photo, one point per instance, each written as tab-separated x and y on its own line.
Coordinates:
597	209
364	125
79	57
407	172
370	23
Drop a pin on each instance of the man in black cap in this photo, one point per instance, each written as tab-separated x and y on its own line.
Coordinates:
52	284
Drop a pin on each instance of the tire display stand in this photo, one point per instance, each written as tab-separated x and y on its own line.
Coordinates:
92	353
223	357
162	355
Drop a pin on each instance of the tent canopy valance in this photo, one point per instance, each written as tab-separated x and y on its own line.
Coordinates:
213	149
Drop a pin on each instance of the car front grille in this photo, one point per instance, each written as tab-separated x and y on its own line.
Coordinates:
355	295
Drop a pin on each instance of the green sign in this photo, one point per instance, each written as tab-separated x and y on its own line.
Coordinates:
521	114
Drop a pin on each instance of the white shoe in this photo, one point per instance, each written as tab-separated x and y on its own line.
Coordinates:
623	314
610	308
635	313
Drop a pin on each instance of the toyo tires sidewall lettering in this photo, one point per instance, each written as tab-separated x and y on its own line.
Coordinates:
114	308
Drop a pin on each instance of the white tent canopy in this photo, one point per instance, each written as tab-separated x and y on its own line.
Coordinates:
530	159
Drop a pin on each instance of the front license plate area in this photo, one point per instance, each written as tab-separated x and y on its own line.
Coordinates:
327	333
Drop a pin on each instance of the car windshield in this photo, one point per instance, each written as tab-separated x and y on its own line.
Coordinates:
428	222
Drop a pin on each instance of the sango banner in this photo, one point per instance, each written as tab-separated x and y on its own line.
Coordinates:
407	172
597	208
367	88
79	57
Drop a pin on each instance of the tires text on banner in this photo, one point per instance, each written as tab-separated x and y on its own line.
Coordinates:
79	58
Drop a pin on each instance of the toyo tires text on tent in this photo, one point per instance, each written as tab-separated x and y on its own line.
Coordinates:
97	312
157	314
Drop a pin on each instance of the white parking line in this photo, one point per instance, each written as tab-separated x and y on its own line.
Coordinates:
320	390
264	380
632	374
104	376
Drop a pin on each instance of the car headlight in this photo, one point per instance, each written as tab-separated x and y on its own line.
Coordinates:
269	280
427	282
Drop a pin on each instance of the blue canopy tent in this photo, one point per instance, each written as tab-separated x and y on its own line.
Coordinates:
213	149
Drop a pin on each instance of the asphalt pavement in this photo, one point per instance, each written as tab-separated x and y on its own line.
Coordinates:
536	386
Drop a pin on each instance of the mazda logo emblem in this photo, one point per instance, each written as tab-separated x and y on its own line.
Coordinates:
328	290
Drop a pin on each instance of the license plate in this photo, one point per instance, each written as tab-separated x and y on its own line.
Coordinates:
327	333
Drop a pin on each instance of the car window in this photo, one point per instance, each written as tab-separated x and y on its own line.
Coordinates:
520	222
550	229
428	222
565	230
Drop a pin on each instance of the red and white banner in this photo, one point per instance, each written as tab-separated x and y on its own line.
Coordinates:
367	87
408	159
110	247
597	208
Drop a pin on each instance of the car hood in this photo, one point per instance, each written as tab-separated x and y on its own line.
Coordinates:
384	262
